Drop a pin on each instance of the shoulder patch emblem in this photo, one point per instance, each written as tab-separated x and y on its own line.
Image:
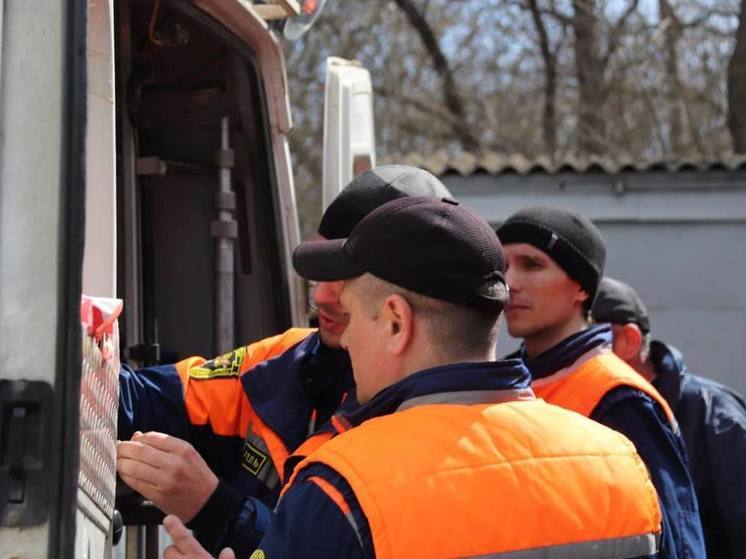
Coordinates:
258	554
228	365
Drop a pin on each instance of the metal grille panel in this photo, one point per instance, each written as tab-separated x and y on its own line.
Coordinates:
99	396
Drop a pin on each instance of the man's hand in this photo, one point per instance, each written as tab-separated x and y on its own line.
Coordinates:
167	471
185	546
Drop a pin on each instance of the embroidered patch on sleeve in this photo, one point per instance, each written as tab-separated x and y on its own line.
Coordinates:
253	458
228	365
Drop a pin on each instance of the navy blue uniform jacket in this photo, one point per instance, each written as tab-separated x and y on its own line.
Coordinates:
306	383
712	418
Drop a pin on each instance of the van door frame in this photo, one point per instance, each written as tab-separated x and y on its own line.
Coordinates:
65	436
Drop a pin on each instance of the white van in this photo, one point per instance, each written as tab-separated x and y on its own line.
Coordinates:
143	157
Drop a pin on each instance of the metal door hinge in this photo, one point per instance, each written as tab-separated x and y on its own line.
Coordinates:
25	410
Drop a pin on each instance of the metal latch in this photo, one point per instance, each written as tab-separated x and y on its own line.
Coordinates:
25	408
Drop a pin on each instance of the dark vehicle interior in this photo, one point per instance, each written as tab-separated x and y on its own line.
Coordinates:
186	188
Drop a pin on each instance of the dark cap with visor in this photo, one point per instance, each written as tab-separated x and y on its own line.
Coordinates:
372	189
434	247
618	303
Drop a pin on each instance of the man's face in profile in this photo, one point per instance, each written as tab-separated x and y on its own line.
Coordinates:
332	318
325	300
365	339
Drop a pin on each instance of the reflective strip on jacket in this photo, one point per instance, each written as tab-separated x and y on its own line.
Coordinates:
583	385
519	479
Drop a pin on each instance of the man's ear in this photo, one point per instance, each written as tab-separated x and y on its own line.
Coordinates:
581	295
627	341
397	318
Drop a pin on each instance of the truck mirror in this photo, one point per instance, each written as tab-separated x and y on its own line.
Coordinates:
349	134
296	26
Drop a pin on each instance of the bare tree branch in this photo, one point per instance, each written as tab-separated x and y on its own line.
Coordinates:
737	86
418	104
553	12
616	30
589	72
674	96
450	91
549	125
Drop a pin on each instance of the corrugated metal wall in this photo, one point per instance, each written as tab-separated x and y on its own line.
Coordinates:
678	238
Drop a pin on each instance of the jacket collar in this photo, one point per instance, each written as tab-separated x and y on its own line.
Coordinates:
567	352
669	370
286	390
491	381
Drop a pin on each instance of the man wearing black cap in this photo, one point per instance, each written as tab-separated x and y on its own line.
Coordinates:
450	454
219	431
712	417
555	260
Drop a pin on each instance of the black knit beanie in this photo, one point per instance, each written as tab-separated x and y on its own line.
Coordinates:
569	238
372	189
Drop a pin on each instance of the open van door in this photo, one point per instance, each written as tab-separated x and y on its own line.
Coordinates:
42	198
138	140
349	135
136	137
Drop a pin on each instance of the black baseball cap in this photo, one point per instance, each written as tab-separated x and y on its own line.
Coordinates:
568	237
618	303
434	247
373	189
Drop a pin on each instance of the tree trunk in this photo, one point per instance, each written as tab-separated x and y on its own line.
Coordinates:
737	86
589	72
673	81
549	119
453	99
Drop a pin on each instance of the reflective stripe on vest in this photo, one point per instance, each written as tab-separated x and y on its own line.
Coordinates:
469	397
614	548
495	480
581	386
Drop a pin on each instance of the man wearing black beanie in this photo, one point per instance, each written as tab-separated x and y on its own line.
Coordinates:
217	433
555	261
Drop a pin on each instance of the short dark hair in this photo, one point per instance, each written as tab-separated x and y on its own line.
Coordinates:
457	331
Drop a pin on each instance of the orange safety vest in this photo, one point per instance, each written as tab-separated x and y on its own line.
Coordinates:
491	479
583	385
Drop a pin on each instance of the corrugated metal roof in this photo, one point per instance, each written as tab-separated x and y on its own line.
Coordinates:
492	163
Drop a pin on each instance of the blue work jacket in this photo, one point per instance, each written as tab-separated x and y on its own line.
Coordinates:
712	418
290	393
